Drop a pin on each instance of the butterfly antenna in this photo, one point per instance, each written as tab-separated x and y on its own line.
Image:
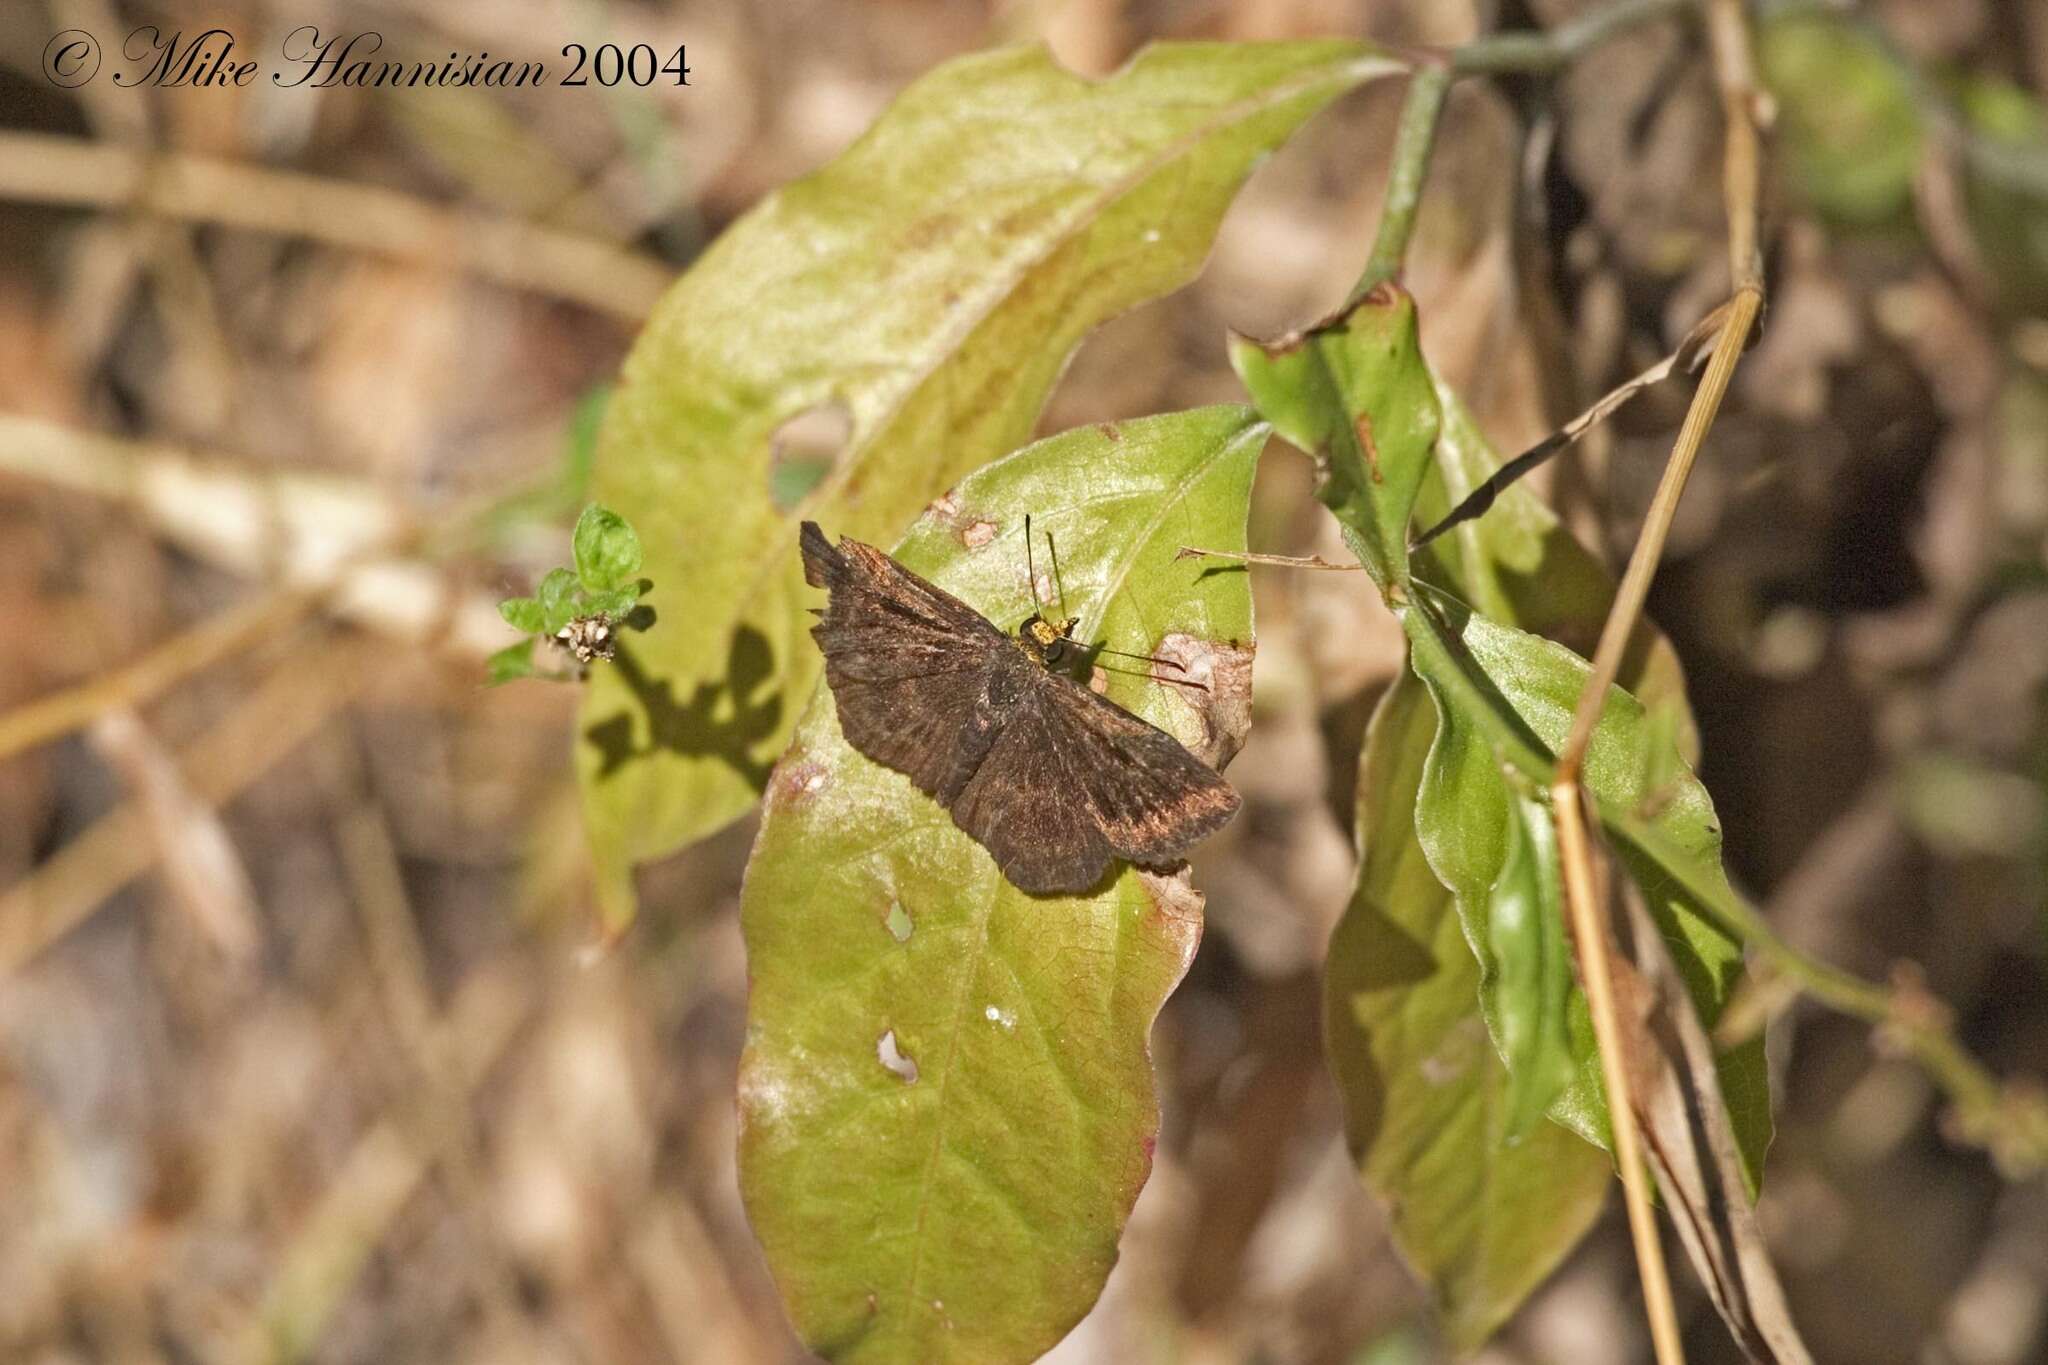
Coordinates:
1054	550
1134	673
1030	568
1148	658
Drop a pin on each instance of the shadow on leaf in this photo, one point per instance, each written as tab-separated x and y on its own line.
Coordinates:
1370	952
722	719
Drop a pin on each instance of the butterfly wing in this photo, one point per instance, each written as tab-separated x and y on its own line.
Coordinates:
1073	780
1055	781
1152	799
1023	804
907	664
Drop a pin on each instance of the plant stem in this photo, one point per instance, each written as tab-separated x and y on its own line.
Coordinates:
1642	565
1543	51
1537	51
53	717
1729	35
1419	113
51	168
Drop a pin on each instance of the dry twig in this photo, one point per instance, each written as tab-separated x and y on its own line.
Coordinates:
48	169
1728	30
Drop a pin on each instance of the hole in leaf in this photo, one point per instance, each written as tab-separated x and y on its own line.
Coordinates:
898	1065
804	449
898	921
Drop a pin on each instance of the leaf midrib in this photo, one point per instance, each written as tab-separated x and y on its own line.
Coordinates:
1175	494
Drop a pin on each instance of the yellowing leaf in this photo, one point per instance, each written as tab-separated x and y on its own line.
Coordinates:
946	1098
931	282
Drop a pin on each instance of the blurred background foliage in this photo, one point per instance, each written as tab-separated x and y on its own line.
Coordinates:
301	1054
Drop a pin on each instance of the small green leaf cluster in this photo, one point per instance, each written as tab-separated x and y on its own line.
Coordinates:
603	587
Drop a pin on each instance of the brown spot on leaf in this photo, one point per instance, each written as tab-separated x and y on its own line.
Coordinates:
1362	427
978	533
922	234
1174	897
1110	431
1222	705
946	505
798	781
1385	294
1285	344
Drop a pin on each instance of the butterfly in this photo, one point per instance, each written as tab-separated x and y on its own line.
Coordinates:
1054	780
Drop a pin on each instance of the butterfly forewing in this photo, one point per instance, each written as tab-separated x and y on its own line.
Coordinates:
906	663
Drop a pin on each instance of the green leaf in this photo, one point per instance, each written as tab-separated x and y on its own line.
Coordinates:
934	280
1518	565
558	600
509	664
1353	393
607	550
523	613
1520	690
2005	185
946	1101
614	602
1400	1002
1495	850
1846	116
1526	924
1481	1216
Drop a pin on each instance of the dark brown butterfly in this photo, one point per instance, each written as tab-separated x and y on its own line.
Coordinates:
1051	778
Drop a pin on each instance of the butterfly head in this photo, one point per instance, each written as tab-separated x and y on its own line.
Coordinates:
1047	641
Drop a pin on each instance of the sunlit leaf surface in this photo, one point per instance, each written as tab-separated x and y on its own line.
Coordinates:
931	282
1458	848
946	1097
1482	1218
1354	393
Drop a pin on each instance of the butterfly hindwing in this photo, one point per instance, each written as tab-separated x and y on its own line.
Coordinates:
1151	798
1022	805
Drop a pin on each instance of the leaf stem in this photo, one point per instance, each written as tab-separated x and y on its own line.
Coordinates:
1532	51
1417	133
1551	50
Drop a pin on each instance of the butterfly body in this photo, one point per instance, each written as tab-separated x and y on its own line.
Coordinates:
1056	781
